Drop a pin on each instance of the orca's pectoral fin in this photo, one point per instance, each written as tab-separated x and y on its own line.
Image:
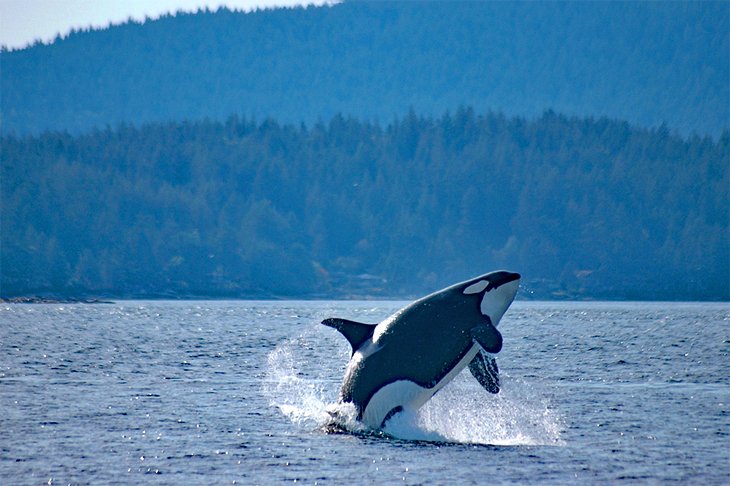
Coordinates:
488	337
356	333
484	368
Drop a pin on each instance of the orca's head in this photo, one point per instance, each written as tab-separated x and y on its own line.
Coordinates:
496	290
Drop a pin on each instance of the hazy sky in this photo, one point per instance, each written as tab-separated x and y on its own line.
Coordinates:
23	21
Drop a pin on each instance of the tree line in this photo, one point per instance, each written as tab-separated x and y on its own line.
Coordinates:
583	207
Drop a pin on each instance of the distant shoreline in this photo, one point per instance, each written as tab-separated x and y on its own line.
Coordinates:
52	300
113	300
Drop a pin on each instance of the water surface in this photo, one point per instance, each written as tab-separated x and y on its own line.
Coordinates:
236	392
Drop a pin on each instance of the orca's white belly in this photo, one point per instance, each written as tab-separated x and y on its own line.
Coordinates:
407	394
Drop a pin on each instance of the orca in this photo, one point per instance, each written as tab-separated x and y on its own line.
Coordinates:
400	363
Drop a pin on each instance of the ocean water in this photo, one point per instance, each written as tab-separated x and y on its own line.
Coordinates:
237	392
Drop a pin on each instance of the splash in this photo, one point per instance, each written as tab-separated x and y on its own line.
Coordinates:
460	413
303	400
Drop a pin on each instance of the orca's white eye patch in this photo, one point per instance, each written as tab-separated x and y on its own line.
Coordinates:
475	288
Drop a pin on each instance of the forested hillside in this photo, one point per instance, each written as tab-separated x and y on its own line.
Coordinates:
644	62
582	207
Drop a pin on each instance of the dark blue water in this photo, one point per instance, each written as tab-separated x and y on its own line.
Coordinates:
236	392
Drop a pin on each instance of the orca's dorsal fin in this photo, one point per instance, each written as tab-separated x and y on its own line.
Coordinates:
355	332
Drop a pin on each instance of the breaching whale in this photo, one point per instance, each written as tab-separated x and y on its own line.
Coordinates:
400	363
